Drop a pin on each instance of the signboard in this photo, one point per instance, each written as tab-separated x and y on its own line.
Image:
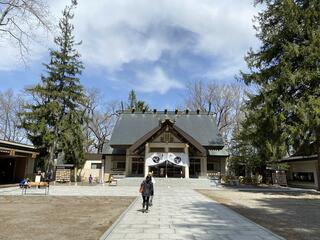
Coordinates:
153	159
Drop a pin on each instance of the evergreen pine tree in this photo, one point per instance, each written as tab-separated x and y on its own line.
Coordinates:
54	119
132	99
134	103
284	114
141	105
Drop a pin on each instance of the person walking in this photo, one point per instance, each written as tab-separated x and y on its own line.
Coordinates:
146	190
90	179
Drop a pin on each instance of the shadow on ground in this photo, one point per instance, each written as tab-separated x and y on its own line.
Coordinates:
214	221
272	190
293	215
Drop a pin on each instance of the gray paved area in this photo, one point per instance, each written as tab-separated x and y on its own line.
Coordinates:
77	191
182	213
178	212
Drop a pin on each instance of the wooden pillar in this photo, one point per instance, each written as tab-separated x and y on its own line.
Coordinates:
130	165
203	163
186	170
102	172
127	163
223	165
146	168
108	162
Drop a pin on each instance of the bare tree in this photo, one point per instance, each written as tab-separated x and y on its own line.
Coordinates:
225	101
10	106
196	96
20	19
100	121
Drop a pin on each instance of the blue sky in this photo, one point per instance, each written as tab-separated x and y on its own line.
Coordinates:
153	47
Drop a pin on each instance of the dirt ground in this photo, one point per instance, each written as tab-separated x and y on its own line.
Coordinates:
53	217
292	215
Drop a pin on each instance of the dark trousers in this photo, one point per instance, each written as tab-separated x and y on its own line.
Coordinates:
145	202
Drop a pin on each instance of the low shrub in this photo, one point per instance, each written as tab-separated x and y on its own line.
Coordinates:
245	180
225	178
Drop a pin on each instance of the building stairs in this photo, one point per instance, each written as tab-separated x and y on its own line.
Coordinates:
170	182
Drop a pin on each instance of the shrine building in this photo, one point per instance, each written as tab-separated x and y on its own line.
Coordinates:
168	143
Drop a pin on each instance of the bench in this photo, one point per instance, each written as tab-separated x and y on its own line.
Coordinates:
112	181
109	178
38	185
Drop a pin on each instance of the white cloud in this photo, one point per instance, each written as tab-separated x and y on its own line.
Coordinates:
118	32
11	58
156	81
225	70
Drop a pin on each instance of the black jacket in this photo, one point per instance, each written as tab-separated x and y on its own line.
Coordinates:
147	188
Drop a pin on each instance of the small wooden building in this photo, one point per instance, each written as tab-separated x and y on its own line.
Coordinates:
16	161
302	171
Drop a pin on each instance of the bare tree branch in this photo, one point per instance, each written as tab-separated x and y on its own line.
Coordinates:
5	13
19	21
10	106
226	101
100	121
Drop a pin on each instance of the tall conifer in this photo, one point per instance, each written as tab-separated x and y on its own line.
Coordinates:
284	114
54	119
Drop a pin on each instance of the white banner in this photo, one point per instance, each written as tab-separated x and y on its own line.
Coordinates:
180	159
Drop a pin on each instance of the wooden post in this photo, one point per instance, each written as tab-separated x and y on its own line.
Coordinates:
186	169
102	172
146	168
127	169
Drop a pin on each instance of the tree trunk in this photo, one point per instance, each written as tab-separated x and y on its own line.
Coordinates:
75	176
51	164
318	166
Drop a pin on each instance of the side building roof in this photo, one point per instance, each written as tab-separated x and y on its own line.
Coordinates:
132	126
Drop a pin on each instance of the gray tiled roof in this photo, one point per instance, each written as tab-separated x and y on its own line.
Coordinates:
113	151
132	126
